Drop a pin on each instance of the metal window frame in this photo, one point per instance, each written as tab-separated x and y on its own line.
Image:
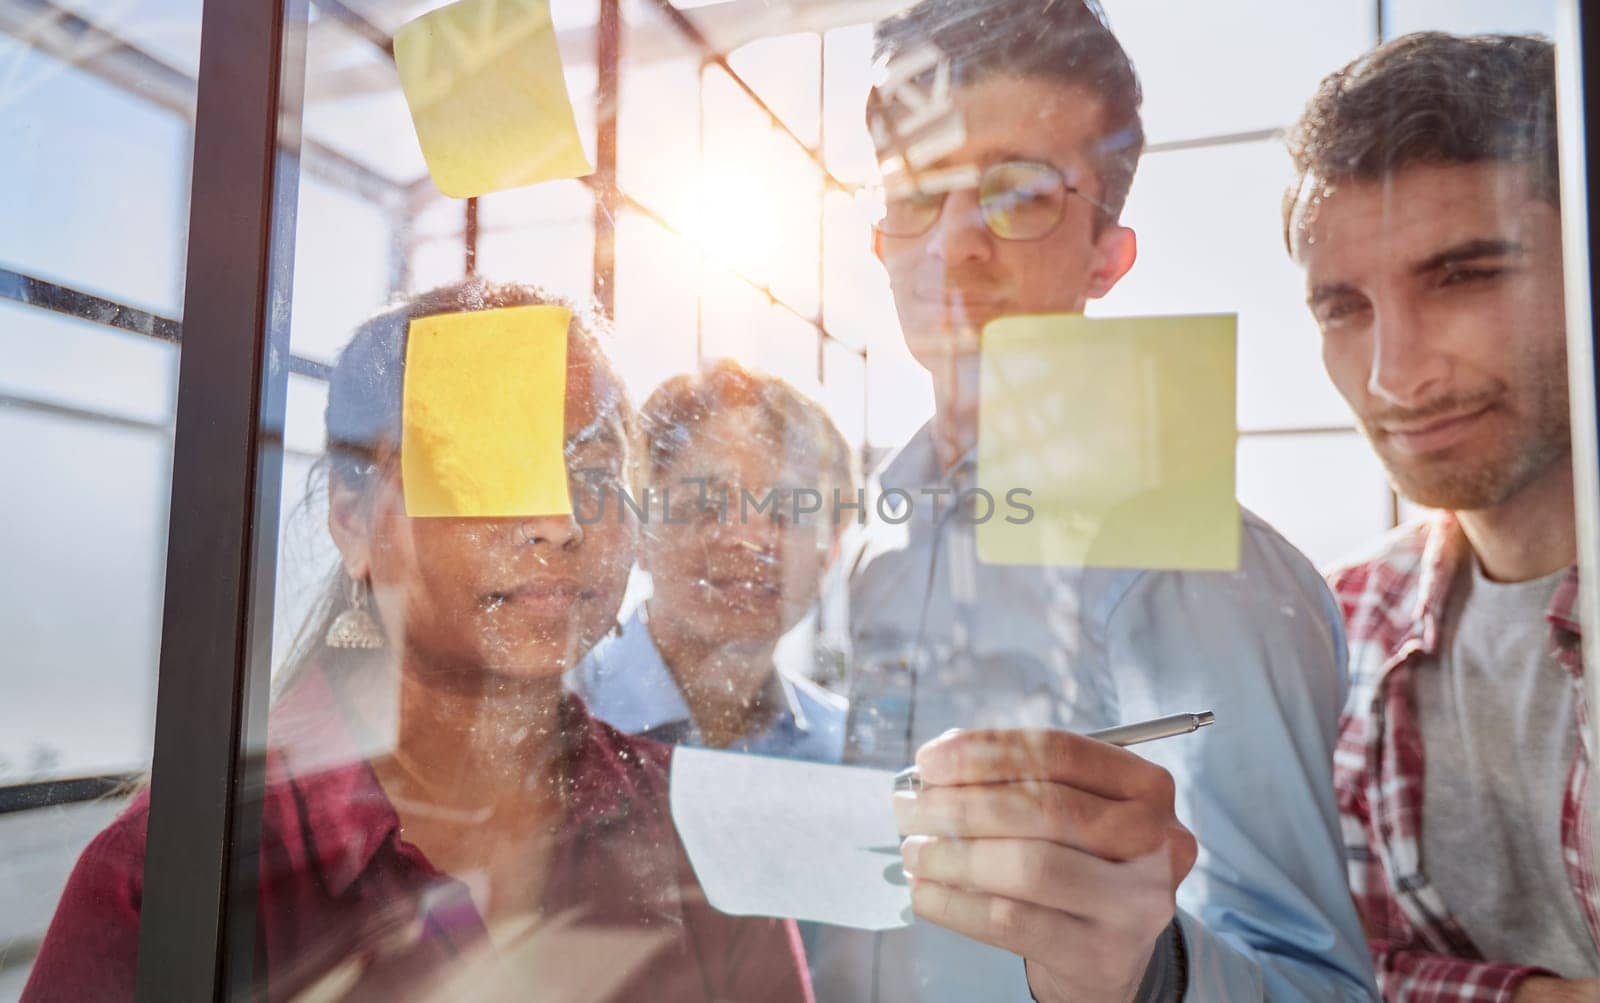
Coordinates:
1578	114
196	934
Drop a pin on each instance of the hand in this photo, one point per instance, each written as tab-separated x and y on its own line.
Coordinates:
1543	989
1056	847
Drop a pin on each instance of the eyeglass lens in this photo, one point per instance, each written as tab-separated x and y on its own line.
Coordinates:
1018	201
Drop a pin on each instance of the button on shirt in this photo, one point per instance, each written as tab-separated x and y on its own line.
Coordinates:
346	902
627	683
941	640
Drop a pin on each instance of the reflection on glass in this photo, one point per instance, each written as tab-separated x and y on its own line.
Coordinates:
439	820
743	476
470	770
95	100
1023	654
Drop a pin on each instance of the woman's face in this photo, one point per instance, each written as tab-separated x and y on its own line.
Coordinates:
519	597
732	574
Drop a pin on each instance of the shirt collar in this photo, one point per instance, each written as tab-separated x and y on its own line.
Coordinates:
350	816
1444	547
794	711
915	473
916	464
633	688
1563	610
1444	556
913	464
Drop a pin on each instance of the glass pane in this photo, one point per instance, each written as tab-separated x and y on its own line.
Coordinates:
761	198
1210	226
658	124
601	643
169	30
337	283
1227	89
1469	16
354	105
847	77
560	254
117	374
784	70
94	190
83	613
113	226
659	281
1326	493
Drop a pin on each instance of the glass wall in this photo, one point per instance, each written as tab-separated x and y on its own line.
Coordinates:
96	104
472	694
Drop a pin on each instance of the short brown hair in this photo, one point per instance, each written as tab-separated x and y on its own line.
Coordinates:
1064	41
679	408
1431	98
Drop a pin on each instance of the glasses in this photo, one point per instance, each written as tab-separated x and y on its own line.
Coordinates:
1018	200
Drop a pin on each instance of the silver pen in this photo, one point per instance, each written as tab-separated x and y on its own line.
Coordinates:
1122	735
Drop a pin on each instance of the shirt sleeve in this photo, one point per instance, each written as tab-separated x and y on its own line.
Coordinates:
1266	913
1419	977
1164	976
92	946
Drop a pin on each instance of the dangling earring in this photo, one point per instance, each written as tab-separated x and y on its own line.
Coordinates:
355	627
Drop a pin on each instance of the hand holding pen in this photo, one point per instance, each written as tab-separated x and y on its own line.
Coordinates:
1064	849
1123	735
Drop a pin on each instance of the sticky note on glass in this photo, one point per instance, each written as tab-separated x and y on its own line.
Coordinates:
487	96
780	837
1119	435
484	414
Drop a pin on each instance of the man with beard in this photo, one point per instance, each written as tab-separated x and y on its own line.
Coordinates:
1427	219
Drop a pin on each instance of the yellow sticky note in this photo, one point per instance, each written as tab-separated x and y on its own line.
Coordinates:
483	81
484	414
1118	434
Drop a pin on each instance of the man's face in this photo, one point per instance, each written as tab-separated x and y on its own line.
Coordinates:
1438	291
735	575
956	277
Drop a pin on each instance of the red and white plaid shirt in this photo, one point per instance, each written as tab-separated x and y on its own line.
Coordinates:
1393	604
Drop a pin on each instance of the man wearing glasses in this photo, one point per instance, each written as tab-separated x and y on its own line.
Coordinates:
1008	133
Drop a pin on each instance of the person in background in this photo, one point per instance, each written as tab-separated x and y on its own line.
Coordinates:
696	663
1426	215
1042	862
438	820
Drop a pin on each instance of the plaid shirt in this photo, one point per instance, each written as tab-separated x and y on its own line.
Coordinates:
1393	604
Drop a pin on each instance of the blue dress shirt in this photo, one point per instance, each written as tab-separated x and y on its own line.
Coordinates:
942	640
627	684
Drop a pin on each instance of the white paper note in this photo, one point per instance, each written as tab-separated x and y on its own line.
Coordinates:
779	837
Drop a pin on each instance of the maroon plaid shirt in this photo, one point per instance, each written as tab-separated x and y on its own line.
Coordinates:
1393	604
345	901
